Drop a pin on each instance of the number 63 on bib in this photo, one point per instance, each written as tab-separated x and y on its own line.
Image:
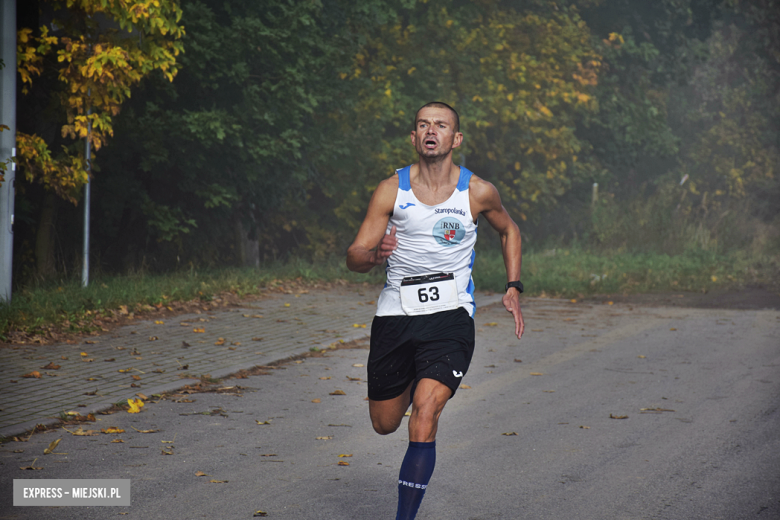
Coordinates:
429	293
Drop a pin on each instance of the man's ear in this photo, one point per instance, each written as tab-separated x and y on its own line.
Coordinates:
413	135
457	141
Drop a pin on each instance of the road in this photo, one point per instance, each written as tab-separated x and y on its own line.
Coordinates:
538	435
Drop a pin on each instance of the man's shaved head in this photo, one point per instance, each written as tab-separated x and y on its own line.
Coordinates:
439	104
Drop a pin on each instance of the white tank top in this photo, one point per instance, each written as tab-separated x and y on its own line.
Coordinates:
431	239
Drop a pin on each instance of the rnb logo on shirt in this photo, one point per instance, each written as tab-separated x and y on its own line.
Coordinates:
448	231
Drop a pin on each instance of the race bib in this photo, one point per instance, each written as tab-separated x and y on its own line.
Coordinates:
429	293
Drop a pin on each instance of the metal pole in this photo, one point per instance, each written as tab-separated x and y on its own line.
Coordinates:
7	143
85	268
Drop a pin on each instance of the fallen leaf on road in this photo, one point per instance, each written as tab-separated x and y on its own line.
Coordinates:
338	392
51	447
142	396
354	378
90	342
465	387
158	371
199	330
236	343
325	378
112	429
536	374
137	378
343	463
123	370
549	391
509	433
109	360
166	451
316	400
345	455
358	365
491	324
517	360
201	474
585	427
30	466
618	416
64	357
135	405
84	354
34	373
153	338
654	410
218	481
359	325
82	433
219	342
51	366
268	455
286	304
672	328
260	513
327	438
263	422
144	431
641	356
117	440
257	339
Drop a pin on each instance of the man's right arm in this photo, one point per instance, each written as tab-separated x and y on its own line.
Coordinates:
372	246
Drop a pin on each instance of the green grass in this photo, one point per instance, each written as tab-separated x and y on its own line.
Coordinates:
575	272
565	273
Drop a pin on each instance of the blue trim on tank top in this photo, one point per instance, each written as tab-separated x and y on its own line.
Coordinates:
404	181
464	179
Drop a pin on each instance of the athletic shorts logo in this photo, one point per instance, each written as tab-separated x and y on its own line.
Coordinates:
457	374
449	231
407	205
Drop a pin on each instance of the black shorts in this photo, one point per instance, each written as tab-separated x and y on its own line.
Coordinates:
409	348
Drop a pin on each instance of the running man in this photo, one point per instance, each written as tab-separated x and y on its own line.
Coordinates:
423	222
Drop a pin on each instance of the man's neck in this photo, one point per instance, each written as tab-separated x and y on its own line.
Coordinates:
435	172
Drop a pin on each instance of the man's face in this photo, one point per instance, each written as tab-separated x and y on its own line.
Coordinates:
434	134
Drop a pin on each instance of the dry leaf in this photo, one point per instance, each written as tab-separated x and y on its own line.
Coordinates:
90	342
338	392
117	440
112	429
672	328
358	365
64	357
509	434
354	378
201	474
465	387
491	324
549	391
123	370
166	451
359	325
82	433
257	339
153	338
327	438
142	396
135	405
408	414
219	342
518	360
158	322
34	373
51	366
641	356
585	427
316	400
51	447
84	354
158	371
260	513
618	416
109	360
325	378
536	374
345	455
343	463
144	431
199	330
137	378
218	481
263	422
30	466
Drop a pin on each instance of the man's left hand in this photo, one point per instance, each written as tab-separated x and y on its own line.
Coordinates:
511	302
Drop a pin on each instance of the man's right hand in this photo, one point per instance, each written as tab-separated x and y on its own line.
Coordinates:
386	246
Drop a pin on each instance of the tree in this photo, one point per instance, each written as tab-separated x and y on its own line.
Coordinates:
91	54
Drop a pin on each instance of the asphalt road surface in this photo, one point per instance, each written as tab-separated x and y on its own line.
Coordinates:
600	412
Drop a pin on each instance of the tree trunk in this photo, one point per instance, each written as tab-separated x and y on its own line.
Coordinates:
248	248
44	238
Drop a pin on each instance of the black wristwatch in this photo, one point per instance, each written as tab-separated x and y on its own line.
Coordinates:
517	285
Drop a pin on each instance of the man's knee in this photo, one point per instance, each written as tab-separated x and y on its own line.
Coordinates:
384	427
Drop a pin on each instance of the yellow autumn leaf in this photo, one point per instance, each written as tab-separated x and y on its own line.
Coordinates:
51	447
345	455
135	405
112	429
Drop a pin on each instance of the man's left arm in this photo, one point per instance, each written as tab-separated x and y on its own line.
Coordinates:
487	202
